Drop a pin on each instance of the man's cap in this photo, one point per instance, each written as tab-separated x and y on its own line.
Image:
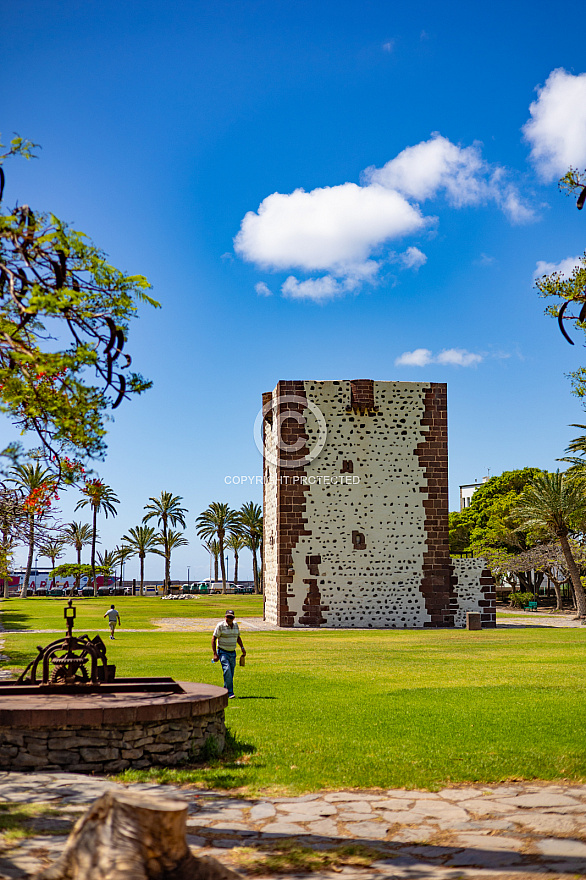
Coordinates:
230	613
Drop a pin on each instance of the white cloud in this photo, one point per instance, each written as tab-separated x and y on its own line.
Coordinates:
418	358
317	289
557	128
413	258
421	357
458	357
332	229
564	267
342	230
485	260
389	46
263	289
439	166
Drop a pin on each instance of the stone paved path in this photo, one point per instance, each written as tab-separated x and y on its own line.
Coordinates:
521	831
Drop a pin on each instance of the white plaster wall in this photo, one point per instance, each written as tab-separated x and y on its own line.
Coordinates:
270	528
468	588
378	586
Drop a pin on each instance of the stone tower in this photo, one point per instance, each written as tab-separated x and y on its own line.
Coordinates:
356	509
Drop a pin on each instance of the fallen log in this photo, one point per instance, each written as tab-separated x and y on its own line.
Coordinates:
131	836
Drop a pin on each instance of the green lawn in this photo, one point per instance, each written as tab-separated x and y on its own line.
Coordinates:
136	612
394	708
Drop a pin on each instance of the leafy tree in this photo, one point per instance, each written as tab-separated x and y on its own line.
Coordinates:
251	524
13	528
490	520
64	317
141	540
38	486
235	542
169	542
167	510
556	503
215	523
76	571
549	560
101	498
570	290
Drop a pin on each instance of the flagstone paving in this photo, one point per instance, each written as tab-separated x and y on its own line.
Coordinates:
497	832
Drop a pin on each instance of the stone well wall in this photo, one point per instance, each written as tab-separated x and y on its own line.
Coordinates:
112	749
107	733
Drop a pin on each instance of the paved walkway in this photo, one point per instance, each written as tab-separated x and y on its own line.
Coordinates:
513	620
495	832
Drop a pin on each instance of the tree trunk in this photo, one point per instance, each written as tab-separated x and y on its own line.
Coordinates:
222	563
236	568
255	570
574	575
78	577
142	555
166	549
216	578
128	836
95	524
29	562
558	595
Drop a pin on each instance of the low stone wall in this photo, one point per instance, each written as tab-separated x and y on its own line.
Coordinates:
87	750
109	732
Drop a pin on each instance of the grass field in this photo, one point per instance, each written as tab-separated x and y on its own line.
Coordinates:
399	708
136	612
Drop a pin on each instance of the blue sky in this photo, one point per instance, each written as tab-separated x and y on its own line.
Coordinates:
315	190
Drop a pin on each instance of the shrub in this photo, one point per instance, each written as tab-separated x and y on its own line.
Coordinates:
520	600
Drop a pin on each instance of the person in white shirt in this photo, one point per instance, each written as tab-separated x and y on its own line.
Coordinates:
224	640
113	619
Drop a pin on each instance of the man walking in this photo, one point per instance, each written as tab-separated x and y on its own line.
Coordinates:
113	619
224	640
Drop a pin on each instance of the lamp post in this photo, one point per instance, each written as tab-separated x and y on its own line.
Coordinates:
187	575
227	569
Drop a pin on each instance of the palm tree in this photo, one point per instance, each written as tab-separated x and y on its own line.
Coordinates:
169	542
235	542
99	497
167	511
77	535
251	524
52	549
214	523
213	549
577	461
38	486
107	561
122	554
556	503
141	540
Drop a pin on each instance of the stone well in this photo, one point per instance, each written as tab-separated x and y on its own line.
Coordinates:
107	732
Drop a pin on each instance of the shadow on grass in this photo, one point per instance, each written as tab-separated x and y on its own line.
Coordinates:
256	698
18	659
226	771
15	621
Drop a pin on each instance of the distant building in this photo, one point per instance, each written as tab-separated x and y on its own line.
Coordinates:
467	491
